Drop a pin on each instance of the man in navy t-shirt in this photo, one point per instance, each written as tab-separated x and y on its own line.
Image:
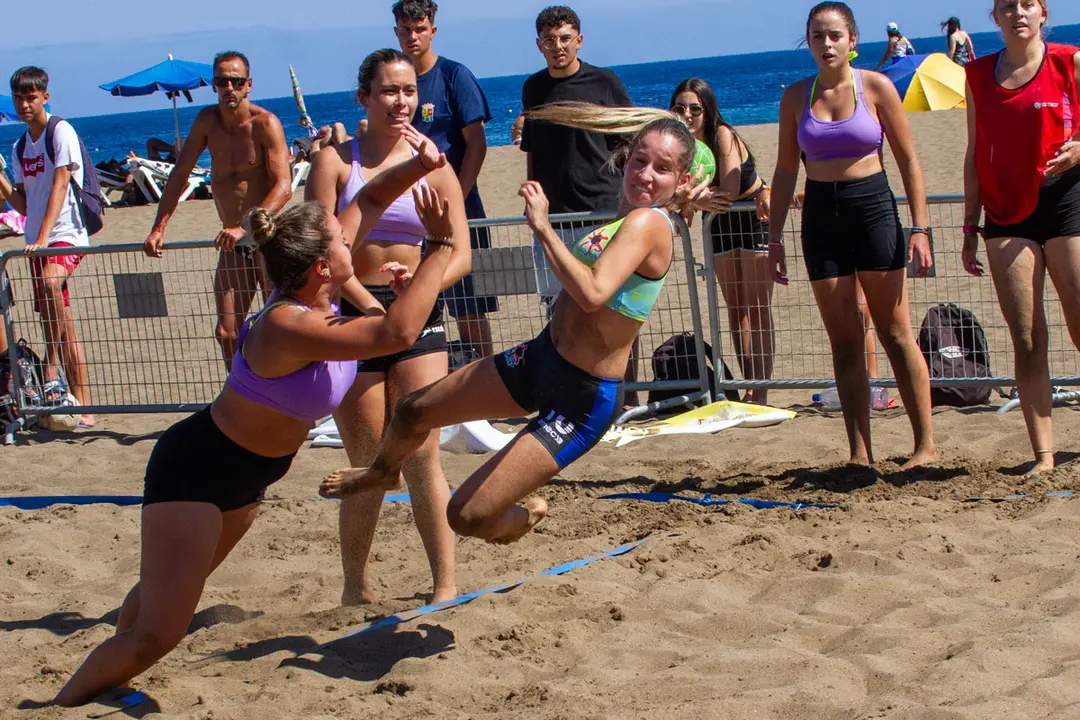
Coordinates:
452	111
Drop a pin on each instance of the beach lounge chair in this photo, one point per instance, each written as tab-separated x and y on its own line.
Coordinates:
151	175
300	172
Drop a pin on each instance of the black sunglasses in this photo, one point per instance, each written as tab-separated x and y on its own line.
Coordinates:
224	82
695	109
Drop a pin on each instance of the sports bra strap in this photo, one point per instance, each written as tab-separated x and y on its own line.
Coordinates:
856	88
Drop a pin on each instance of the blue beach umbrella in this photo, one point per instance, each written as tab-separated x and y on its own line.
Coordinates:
928	82
171	77
7	110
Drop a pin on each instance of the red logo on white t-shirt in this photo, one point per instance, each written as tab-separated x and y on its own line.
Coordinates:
32	167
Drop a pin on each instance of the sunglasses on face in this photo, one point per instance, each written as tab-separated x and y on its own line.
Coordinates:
548	42
224	82
695	109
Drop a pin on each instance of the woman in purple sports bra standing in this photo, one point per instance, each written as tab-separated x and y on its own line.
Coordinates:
387	90
850	226
295	361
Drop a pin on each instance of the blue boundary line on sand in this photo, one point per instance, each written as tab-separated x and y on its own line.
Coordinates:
657	497
408	615
38	502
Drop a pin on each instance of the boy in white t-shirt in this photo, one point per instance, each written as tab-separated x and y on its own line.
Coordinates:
43	193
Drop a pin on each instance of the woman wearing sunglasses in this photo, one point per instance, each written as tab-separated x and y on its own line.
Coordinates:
740	240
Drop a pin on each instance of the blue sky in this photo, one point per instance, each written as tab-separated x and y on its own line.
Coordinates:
85	46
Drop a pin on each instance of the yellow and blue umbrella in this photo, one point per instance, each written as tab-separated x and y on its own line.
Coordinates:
928	82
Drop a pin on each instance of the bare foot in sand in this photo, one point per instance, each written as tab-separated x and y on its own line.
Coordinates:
920	458
349	481
537	510
442	595
363	595
87	421
1044	462
860	459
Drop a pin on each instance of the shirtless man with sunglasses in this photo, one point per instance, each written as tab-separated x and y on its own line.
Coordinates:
249	167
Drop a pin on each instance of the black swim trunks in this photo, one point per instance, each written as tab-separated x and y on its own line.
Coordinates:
194	461
575	408
850	226
432	338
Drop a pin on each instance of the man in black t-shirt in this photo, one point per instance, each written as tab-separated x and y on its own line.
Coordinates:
569	164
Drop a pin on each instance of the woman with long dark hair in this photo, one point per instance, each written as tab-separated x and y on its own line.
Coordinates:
740	240
838	121
961	49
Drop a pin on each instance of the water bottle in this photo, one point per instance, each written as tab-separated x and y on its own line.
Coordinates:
879	398
829	398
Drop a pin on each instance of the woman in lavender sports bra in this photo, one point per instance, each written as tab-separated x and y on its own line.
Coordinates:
296	360
387	91
851	231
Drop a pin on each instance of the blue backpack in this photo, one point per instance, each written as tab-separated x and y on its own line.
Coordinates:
87	198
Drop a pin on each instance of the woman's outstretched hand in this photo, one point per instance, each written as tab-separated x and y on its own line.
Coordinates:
434	211
536	205
430	157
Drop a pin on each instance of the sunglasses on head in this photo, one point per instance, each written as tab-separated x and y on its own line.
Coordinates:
224	82
680	109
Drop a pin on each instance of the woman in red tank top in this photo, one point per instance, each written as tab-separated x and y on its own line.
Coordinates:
1023	169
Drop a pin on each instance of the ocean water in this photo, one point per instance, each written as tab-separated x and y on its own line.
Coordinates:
748	89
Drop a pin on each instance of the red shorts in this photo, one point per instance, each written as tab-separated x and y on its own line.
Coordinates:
37	272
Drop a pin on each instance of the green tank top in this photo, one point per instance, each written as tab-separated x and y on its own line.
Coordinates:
637	296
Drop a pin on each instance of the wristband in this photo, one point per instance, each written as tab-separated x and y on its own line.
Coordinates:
920	229
446	241
972	230
776	244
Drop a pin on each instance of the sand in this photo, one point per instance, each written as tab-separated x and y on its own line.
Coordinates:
904	601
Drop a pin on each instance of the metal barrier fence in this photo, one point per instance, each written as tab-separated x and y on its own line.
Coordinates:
802	357
147	325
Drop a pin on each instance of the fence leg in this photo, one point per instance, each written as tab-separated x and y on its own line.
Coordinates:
1058	398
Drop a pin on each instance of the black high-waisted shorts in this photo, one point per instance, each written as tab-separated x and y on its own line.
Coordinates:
195	462
850	226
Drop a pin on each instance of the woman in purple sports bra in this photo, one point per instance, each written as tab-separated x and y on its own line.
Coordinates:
387	90
296	360
851	231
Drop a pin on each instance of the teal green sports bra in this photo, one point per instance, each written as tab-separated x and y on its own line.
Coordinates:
637	296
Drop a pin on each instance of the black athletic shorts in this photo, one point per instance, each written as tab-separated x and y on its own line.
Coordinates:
432	338
1056	215
850	226
739	230
194	461
575	408
461	299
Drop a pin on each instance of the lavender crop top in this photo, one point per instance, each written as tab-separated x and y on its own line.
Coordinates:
399	223
310	393
853	137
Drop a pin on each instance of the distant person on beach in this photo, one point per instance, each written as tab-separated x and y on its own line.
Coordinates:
838	121
571	373
898	47
569	164
249	167
452	112
42	192
388	93
961	49
1023	169
208	473
160	150
740	240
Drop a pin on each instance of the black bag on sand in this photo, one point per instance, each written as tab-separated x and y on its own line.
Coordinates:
676	359
954	346
31	371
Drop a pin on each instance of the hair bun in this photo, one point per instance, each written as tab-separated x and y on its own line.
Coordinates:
260	223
